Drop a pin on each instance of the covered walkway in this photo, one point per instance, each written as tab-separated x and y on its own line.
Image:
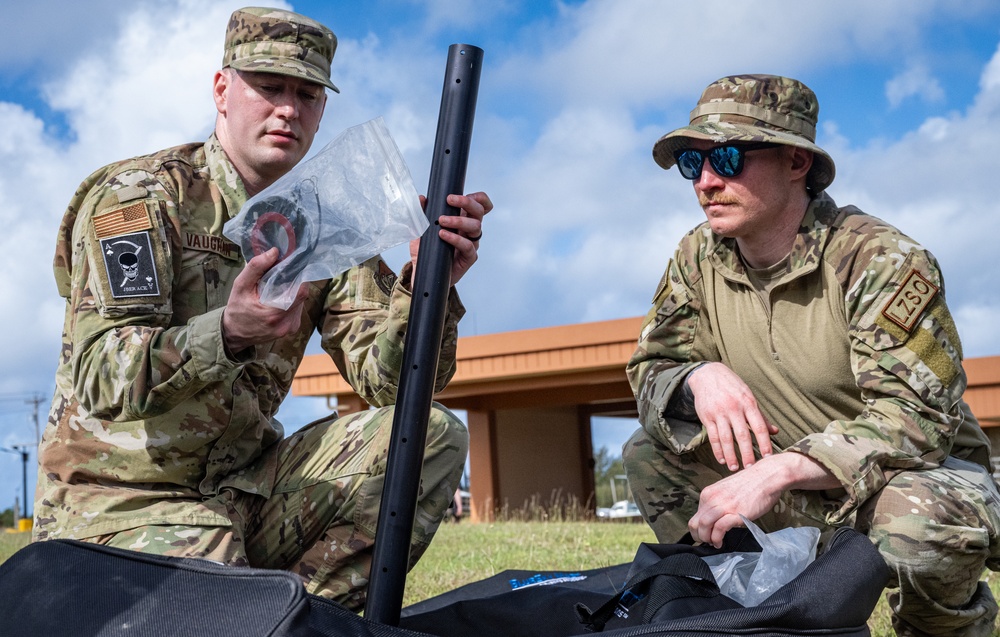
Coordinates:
530	396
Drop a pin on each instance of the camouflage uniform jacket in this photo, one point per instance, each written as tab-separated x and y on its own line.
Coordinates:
151	417
853	355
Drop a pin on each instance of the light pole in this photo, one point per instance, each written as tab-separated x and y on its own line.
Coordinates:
23	451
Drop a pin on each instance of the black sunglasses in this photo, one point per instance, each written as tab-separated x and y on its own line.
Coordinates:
726	161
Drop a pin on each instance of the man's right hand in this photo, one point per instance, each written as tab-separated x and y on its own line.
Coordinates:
728	410
246	321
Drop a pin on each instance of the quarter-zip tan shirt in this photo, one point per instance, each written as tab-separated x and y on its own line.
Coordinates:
847	345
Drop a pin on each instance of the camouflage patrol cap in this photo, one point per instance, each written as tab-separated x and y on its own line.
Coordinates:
754	108
277	41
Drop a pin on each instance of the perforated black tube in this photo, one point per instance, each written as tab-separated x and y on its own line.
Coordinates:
423	339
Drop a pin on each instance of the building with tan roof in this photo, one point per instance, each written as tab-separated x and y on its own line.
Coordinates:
530	396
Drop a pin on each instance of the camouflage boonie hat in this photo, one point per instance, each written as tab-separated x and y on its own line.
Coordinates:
276	41
754	108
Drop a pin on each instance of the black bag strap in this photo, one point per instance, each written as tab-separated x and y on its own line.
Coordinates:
687	576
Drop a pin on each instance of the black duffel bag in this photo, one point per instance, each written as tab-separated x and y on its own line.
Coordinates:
65	588
667	591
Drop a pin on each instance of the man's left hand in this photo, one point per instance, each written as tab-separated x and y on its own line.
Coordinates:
753	492
462	231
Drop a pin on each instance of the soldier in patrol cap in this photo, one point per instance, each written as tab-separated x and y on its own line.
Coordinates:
162	436
799	366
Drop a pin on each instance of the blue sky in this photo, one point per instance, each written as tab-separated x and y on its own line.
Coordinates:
573	96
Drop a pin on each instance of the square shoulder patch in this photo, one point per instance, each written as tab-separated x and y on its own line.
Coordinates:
131	268
910	300
131	256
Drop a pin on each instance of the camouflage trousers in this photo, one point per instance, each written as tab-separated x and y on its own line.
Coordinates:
320	521
937	529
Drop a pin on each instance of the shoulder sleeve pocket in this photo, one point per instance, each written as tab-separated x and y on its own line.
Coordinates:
129	267
669	300
898	307
911	332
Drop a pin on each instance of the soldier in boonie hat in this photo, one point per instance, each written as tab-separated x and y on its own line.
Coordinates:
276	41
754	108
800	366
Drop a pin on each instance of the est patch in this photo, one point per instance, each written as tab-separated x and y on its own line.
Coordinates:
131	267
910	300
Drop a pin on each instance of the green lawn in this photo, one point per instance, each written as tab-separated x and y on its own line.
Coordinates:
464	552
11	542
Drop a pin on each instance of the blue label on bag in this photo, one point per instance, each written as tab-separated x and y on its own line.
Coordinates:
545	579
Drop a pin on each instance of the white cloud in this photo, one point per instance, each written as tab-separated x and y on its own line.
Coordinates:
130	96
585	221
936	184
375	79
990	80
150	87
914	82
27	178
448	15
588	222
648	52
46	33
977	321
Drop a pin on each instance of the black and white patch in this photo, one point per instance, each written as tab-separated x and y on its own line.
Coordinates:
130	265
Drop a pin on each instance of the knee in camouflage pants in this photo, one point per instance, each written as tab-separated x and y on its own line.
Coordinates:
320	520
937	530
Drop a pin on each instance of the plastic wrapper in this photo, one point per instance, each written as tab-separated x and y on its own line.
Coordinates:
750	578
352	201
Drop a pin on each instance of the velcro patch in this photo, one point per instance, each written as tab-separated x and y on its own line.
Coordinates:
910	301
131	267
128	193
131	218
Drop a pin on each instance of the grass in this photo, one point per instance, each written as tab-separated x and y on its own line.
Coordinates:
12	541
463	553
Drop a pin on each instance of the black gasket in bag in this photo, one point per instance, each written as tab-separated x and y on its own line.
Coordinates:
273	217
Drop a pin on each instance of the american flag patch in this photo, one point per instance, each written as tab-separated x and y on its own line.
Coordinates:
131	218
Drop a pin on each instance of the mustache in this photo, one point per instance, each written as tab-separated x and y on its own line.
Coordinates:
723	199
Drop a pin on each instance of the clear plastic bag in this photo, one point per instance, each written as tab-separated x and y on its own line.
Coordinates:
352	201
750	578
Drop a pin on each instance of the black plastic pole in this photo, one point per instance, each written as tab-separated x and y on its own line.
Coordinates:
432	279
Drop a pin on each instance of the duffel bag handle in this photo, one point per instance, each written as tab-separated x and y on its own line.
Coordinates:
686	575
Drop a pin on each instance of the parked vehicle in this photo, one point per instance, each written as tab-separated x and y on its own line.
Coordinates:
620	509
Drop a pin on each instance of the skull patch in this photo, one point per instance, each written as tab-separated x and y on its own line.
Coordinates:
131	268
